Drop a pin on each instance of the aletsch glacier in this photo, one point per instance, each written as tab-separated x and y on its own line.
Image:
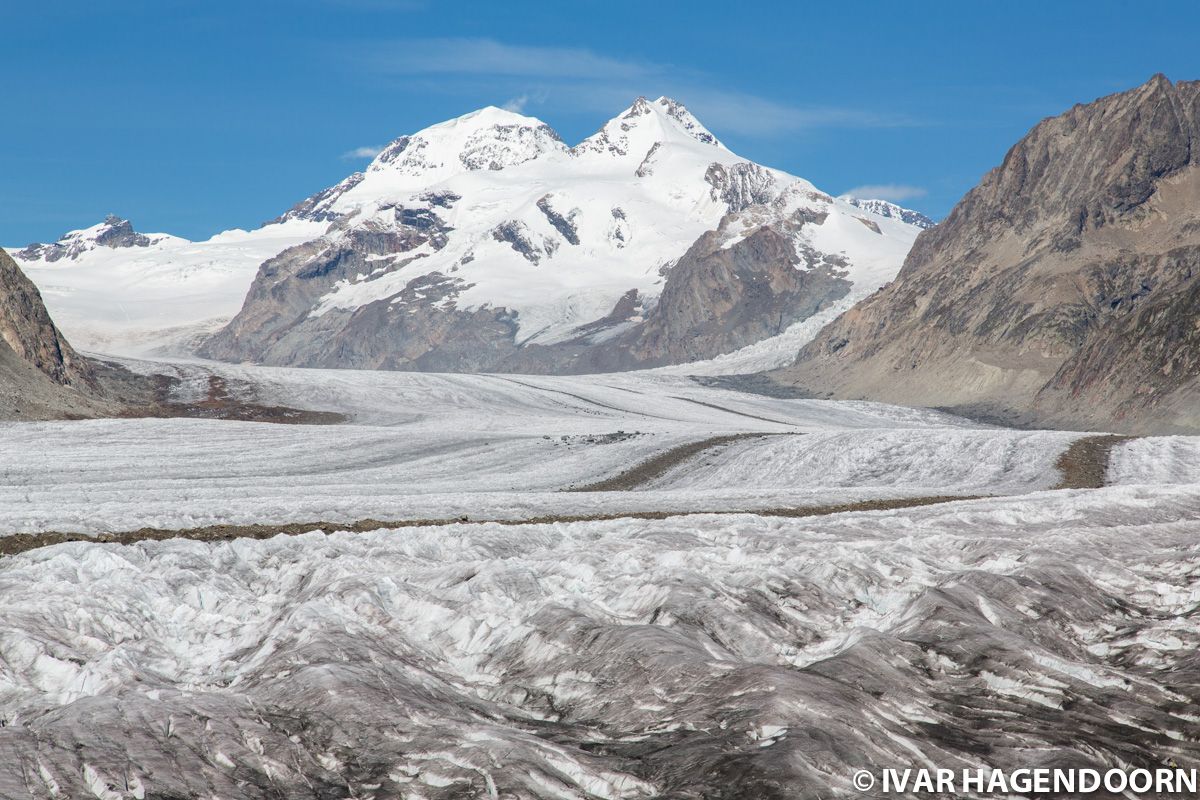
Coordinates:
754	656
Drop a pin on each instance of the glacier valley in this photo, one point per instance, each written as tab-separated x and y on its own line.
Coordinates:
779	592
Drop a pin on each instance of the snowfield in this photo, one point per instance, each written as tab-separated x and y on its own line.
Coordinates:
157	299
758	654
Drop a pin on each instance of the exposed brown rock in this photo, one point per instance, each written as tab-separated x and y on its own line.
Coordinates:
1063	290
26	328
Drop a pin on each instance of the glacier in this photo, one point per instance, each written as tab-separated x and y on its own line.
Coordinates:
554	643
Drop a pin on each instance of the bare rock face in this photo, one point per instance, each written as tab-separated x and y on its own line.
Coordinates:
1062	290
40	375
28	331
717	299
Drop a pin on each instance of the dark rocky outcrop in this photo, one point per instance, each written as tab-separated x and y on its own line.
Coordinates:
1063	290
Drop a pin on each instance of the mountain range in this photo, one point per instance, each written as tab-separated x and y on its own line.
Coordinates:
486	243
1061	291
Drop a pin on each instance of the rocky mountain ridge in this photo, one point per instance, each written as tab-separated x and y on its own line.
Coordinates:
1063	290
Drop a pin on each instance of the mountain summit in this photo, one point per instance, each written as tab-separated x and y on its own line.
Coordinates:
114	232
486	244
643	125
1062	290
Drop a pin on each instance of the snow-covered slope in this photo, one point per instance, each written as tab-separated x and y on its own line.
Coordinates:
488	230
885	209
113	290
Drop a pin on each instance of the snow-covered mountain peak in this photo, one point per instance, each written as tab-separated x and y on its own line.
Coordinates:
490	214
484	141
647	125
488	139
113	232
686	120
885	208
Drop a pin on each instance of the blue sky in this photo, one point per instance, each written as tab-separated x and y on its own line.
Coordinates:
191	117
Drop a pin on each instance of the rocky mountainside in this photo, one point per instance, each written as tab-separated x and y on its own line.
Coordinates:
40	374
487	244
1063	290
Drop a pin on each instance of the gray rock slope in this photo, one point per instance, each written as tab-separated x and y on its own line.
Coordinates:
1063	290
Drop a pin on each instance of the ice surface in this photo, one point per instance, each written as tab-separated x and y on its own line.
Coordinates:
426	446
614	658
1156	460
597	659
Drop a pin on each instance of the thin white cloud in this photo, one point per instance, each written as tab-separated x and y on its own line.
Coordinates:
448	56
583	80
516	104
894	192
366	151
758	116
